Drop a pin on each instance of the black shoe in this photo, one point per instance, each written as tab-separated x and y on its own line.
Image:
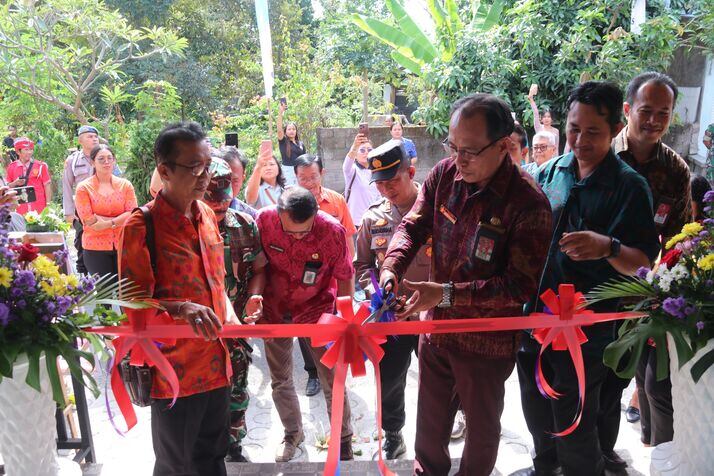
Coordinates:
394	446
313	387
613	461
235	455
541	472
346	453
632	415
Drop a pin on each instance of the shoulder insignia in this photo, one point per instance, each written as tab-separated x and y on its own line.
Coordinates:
380	222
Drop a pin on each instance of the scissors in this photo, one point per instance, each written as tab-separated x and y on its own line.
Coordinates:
387	304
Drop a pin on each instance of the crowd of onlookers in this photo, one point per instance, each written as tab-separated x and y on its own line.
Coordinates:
497	222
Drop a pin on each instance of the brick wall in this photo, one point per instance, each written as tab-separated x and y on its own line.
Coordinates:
334	143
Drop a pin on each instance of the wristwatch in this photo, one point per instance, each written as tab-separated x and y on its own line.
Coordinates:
614	247
447	295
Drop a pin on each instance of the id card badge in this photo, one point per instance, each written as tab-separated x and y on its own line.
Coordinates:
309	273
487	239
664	207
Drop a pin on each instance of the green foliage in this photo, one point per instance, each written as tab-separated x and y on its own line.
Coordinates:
411	46
158	103
549	42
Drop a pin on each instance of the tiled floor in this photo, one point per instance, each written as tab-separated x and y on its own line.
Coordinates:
132	453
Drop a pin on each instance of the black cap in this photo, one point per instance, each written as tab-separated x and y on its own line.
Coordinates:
385	160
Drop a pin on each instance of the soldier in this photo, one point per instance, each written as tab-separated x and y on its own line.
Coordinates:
393	175
244	261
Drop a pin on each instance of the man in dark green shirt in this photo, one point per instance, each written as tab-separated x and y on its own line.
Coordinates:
603	229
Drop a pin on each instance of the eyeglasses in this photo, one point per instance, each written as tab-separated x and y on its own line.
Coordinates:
296	233
196	170
541	148
105	160
465	153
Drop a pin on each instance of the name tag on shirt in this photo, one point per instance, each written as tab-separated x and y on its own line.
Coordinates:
309	273
276	248
487	238
449	216
664	207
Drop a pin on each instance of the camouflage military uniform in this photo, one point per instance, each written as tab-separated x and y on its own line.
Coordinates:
242	252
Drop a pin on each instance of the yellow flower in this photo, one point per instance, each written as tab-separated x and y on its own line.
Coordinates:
675	239
47	288
706	263
5	277
71	280
692	229
45	268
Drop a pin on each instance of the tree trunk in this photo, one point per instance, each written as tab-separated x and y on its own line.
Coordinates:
365	96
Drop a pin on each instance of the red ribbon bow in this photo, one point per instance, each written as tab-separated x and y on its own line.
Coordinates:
349	350
568	338
143	351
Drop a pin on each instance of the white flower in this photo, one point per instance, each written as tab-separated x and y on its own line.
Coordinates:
665	283
679	272
650	276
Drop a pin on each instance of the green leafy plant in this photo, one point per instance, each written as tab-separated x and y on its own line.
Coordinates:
678	296
49	219
42	310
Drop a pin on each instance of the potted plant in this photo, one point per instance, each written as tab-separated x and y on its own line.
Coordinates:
42	317
678	296
50	219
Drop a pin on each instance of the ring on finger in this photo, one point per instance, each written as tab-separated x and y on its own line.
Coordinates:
198	321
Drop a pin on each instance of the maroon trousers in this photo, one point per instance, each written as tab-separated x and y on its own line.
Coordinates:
445	378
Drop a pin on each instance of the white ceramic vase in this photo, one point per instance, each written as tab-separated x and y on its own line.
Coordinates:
28	429
691	453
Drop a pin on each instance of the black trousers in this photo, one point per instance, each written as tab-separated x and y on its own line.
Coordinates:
191	438
101	262
78	231
655	400
610	411
393	370
578	453
307	357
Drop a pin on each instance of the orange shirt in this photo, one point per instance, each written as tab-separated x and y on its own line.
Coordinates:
189	267
89	202
334	205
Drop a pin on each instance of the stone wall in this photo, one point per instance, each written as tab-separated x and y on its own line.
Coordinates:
334	143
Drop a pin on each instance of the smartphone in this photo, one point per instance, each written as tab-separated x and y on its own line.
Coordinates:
25	194
266	147
363	129
284	101
231	139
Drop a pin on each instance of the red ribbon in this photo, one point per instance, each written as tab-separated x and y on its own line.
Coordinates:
351	341
565	338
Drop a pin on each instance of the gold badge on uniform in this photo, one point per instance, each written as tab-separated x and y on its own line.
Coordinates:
376	163
380	222
315	256
495	221
428	251
380	241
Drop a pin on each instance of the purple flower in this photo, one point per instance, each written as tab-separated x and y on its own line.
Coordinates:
707	209
21	304
63	303
4	314
709	283
675	307
704	233
16	292
60	256
25	279
709	221
696	241
86	284
642	272
708	197
689	310
50	307
700	326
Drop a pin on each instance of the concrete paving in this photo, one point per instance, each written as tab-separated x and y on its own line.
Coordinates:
132	453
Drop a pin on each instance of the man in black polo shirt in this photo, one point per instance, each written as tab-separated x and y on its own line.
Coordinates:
604	228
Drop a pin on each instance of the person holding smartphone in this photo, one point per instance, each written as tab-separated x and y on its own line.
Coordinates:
267	181
289	143
360	193
28	172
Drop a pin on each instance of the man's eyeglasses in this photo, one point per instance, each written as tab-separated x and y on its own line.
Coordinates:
196	170
541	148
296	232
221	182
469	155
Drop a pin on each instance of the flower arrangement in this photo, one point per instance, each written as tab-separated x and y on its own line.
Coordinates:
50	219
41	310
677	295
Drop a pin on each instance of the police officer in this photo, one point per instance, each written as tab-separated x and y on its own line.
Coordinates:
77	167
244	261
393	175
